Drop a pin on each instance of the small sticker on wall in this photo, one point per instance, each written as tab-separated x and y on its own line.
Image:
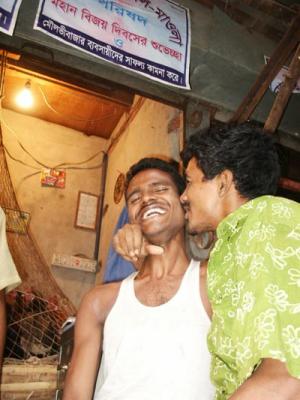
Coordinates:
53	178
280	78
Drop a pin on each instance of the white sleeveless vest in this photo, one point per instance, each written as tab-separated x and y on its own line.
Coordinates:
156	353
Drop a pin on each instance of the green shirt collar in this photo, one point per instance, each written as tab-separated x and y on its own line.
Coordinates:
232	223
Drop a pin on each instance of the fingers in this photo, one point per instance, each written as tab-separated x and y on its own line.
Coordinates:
154	250
138	241
128	242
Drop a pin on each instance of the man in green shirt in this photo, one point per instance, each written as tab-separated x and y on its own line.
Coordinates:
254	268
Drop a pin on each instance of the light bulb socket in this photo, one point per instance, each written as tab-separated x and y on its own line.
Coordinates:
28	84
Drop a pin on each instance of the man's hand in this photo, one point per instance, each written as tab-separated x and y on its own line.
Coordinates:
130	243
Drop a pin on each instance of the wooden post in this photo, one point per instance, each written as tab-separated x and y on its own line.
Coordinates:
281	53
284	94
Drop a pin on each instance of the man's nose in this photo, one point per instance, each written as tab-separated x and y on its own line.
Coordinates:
147	196
183	198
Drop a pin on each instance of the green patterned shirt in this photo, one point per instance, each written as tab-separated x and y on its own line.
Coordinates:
254	289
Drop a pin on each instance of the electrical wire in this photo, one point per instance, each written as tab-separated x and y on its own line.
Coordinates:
80	162
2	73
55	167
17	160
64	165
20	144
39	171
92	167
69	165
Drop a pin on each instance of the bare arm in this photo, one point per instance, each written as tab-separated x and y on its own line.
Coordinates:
2	326
81	375
271	381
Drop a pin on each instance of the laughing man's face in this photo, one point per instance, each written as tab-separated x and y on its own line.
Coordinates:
153	202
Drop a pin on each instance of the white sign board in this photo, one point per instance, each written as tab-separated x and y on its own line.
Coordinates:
150	37
8	15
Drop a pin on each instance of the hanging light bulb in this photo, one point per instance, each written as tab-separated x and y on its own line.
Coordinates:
24	99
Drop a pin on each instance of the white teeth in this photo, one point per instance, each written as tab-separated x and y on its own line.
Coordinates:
153	212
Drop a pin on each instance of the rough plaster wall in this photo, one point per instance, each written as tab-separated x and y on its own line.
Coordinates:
145	136
53	210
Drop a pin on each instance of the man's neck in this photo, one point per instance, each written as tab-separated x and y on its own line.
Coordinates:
161	275
233	201
173	261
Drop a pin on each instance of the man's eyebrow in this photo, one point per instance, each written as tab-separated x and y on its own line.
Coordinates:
162	182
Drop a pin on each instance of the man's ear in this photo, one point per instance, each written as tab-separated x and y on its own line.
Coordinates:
225	182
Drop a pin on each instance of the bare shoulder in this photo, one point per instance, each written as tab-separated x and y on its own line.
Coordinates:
98	301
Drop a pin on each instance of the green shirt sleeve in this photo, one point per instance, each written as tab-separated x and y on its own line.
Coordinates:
268	308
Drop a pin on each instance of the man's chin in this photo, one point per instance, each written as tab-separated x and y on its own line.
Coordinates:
158	237
151	233
191	230
194	231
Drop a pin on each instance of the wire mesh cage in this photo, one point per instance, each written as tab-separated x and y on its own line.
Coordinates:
32	347
33	326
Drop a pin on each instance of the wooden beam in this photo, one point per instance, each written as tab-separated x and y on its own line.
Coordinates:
268	73
284	94
290	184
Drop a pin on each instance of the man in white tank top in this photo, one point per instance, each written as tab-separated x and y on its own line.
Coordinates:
149	331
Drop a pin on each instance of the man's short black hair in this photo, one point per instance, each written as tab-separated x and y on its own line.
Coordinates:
245	150
170	167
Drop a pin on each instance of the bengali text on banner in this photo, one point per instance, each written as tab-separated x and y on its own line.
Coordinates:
150	37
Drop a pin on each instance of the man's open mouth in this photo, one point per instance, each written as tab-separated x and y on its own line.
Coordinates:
152	212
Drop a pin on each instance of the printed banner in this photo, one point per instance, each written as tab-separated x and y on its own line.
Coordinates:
8	15
151	37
